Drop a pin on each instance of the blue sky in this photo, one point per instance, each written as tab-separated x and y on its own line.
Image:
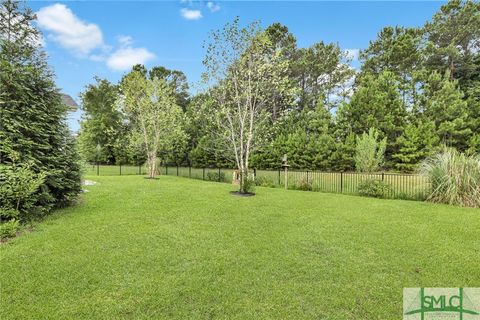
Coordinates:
104	38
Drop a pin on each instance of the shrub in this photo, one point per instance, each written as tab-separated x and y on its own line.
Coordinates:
454	178
249	184
369	152
304	184
215	176
18	186
374	188
8	229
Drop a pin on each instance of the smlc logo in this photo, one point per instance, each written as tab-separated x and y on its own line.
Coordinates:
441	303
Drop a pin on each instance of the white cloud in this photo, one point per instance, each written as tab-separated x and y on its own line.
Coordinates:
125	40
126	57
353	53
190	14
68	30
213	6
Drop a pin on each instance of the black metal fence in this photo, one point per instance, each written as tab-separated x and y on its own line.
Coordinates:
402	186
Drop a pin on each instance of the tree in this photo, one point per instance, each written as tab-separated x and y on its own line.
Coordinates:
239	69
444	105
417	142
102	125
155	117
376	103
33	127
323	74
369	152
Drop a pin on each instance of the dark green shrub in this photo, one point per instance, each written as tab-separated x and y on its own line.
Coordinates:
374	188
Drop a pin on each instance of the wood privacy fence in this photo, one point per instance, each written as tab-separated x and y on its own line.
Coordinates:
402	186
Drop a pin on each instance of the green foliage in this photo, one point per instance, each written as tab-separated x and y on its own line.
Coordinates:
369	151
215	176
374	188
304	183
33	133
249	184
102	126
310	104
416	143
18	186
9	228
454	177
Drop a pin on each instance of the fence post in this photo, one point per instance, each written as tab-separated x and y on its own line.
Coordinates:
254	173
177	170
98	169
166	169
307	176
189	171
341	182
120	169
383	176
279	177
203	173
219	172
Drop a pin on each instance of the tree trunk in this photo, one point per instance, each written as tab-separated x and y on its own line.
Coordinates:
243	180
152	161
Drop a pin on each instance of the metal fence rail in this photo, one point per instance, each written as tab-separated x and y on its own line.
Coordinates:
404	186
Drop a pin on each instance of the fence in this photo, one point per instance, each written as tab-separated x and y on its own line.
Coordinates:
404	186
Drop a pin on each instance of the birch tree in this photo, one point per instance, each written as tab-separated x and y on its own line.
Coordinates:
240	68
150	105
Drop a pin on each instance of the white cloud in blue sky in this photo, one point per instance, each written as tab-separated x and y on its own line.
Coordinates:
124	58
212	6
85	39
191	14
68	30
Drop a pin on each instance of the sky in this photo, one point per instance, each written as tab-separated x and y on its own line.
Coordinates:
84	39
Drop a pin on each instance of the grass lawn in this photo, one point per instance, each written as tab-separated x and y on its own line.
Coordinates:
177	248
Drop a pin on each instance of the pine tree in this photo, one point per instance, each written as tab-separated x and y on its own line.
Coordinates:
416	143
445	106
33	127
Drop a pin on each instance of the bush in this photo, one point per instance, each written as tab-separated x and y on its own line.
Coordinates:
454	177
8	229
304	184
369	152
215	176
374	188
250	184
18	186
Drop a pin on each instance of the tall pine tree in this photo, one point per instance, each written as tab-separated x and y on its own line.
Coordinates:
33	127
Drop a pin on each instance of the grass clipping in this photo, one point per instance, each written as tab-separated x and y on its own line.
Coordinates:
455	178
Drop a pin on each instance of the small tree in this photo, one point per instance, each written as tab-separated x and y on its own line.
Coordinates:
369	152
154	114
241	67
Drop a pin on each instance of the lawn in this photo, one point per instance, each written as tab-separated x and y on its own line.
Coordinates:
177	248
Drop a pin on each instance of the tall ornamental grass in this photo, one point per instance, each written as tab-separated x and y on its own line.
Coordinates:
455	178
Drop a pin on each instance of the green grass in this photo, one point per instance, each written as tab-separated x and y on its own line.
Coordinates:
177	248
403	186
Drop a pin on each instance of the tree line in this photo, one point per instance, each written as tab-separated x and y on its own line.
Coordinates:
419	88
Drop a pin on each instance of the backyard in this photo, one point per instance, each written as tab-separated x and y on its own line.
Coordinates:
176	248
